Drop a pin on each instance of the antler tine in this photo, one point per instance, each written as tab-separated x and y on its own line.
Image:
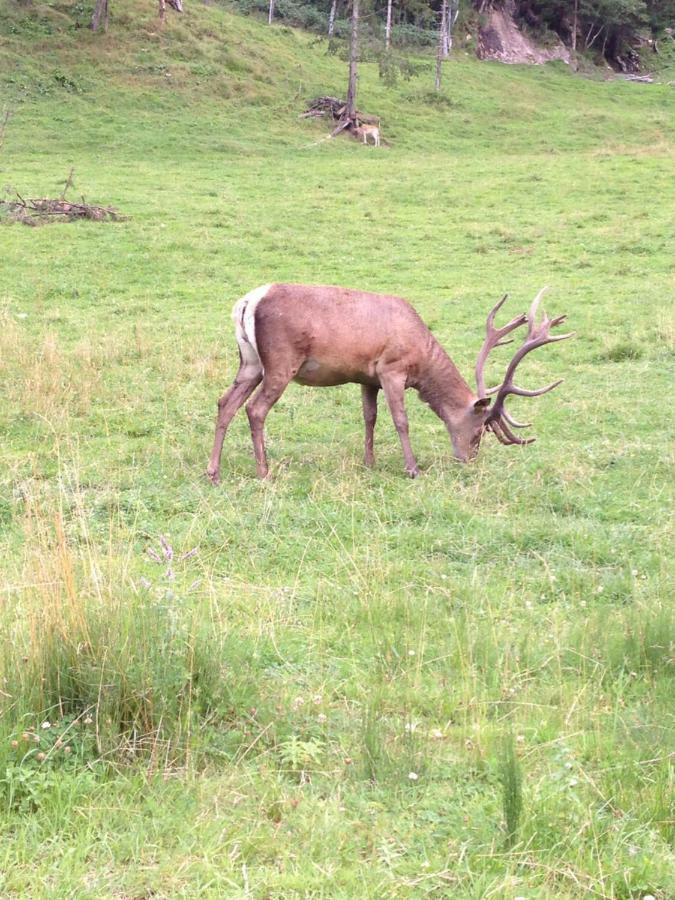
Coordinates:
513	421
504	434
514	437
493	312
491	426
532	313
521	392
493	338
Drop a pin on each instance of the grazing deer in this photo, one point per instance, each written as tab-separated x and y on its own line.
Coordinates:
364	130
324	336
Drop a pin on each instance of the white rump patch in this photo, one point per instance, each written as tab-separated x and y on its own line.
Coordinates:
244	324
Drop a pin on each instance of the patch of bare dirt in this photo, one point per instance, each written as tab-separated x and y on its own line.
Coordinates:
502	40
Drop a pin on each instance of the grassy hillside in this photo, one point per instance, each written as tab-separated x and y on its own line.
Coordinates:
357	685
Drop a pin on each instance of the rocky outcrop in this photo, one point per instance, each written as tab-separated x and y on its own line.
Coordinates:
501	39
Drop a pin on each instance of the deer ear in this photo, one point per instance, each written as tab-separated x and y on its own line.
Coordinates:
482	404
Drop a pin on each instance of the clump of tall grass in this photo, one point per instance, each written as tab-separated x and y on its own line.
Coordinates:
511	780
148	669
374	754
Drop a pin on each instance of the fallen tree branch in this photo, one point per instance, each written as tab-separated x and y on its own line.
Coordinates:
38	211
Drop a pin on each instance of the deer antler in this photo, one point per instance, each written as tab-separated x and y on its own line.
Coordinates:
498	420
493	338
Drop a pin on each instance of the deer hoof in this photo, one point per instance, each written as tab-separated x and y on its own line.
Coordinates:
414	472
213	476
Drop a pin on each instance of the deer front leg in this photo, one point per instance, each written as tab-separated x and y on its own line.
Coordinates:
369	396
247	379
272	388
393	386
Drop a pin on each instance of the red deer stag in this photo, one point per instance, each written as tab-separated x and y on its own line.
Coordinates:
324	336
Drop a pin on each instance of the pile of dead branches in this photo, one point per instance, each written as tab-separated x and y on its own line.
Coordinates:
39	211
335	109
325	106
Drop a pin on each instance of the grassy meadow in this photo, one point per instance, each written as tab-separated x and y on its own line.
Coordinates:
340	682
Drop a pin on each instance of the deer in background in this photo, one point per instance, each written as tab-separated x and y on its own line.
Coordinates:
324	336
364	131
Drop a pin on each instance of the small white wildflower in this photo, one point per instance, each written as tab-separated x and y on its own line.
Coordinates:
568	765
436	734
520	739
321	718
413	776
634	572
88	720
573	782
411	652
46	725
410	727
600	588
297	703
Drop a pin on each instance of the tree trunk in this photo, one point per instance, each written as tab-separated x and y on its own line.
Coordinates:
350	112
100	15
271	13
331	18
440	54
387	30
453	12
575	26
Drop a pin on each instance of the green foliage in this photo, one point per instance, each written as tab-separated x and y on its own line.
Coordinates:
614	25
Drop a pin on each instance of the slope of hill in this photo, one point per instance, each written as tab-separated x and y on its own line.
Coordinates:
239	79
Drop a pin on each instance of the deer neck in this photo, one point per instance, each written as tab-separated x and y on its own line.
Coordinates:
442	387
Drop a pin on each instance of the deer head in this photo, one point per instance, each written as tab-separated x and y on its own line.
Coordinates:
494	417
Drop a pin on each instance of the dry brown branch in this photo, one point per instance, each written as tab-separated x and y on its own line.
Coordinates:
68	183
39	211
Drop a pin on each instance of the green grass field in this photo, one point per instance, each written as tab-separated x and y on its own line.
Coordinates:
357	685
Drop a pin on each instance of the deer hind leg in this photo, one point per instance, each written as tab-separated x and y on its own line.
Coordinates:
369	396
247	380
273	386
394	390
